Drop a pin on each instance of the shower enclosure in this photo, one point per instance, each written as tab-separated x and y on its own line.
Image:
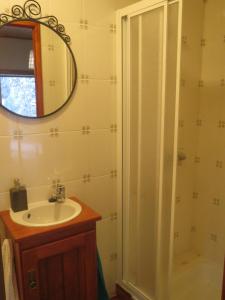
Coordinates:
171	198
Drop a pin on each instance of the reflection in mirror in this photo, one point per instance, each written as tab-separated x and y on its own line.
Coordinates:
37	69
19	91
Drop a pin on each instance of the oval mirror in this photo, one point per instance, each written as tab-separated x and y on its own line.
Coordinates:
37	69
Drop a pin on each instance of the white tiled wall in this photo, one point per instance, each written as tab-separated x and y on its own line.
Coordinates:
200	208
210	205
189	106
82	152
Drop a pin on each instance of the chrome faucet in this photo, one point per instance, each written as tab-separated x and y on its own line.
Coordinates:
59	194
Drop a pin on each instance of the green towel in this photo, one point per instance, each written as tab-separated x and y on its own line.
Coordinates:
102	292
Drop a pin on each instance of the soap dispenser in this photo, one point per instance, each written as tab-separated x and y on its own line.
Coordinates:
18	196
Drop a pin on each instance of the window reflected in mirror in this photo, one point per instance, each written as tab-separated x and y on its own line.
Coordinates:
37	69
20	76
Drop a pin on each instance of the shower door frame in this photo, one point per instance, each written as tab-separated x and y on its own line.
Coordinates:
122	102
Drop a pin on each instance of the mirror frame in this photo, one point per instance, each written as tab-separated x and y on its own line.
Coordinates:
31	12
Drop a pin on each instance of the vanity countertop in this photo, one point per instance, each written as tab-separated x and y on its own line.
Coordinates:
29	237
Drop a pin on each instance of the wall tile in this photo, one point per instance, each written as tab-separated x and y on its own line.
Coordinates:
188	131
101	155
99	17
209	218
77	44
98	53
4	202
106	241
8	123
109	269
106	237
69	11
100	98
44	158
100	194
9	162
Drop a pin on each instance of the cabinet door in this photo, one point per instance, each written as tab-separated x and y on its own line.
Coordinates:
62	270
223	295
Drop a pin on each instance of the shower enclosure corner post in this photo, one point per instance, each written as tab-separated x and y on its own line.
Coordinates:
119	71
176	127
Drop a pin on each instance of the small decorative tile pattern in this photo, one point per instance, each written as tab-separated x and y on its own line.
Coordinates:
197	159
219	164
195	195
178	199
184	39
113	173
113	79
113	128
83	24
213	237
113	216
112	28
199	123
221	124
84	78
86	129
176	235
216	201
86	178
52	83
203	42
54	132
201	83
18	134
51	47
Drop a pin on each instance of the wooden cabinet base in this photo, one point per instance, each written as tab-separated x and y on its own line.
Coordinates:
223	296
56	262
63	270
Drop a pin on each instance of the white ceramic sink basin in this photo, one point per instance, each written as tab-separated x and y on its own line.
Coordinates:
45	214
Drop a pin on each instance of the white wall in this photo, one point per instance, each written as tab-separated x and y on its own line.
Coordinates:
30	152
200	207
210	205
193	13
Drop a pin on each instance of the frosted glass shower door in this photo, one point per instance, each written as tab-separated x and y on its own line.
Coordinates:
143	135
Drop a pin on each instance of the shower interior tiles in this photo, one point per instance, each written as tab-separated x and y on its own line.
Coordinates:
200	202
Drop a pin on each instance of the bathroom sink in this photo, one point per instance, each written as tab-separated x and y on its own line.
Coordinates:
44	213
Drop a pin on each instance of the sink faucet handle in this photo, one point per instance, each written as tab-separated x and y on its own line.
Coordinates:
60	192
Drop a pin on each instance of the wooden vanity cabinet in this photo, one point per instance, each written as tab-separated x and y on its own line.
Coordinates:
223	293
61	270
56	262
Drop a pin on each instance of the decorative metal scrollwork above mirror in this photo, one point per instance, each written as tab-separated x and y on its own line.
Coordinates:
38	71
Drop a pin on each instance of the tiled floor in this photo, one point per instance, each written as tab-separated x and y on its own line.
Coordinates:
196	278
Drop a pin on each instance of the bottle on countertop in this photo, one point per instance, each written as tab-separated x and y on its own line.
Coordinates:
18	196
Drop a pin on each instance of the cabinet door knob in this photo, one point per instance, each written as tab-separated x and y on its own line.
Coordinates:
32	282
